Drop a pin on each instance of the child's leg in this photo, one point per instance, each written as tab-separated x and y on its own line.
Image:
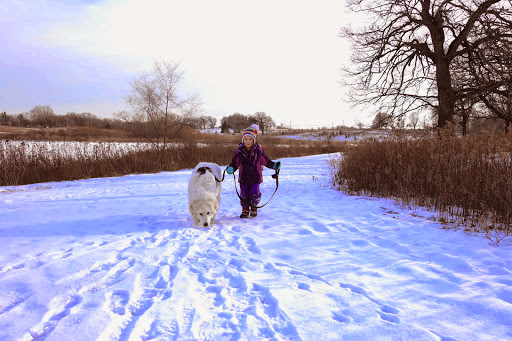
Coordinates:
244	194
254	195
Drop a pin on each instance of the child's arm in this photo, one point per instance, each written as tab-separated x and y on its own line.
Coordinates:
269	163
234	163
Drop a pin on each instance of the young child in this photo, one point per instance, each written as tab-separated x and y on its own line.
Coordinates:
249	159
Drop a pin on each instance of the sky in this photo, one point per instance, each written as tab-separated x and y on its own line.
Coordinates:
279	57
119	259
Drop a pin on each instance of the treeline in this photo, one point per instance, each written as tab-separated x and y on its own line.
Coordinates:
237	122
477	120
43	116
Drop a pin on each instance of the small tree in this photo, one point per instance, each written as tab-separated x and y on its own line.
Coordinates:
382	121
4	118
210	122
236	121
42	116
159	111
414	118
224	127
263	121
204	122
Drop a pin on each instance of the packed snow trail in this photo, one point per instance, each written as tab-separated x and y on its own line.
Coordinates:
118	259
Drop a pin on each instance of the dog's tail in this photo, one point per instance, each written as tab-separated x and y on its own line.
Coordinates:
202	170
212	168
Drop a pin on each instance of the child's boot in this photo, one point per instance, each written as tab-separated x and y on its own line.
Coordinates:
245	213
254	211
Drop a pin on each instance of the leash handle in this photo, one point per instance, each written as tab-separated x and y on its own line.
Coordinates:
278	169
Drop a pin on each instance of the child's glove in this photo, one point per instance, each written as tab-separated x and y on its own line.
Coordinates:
277	165
230	170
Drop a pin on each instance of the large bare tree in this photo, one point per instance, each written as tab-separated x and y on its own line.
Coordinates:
490	78
402	59
159	110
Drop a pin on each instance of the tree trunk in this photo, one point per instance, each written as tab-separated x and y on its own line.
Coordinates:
445	94
465	119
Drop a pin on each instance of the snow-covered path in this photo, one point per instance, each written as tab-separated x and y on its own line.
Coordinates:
117	259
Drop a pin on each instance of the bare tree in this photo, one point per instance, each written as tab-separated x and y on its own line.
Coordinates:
403	58
236	121
159	111
490	71
42	116
382	121
204	122
263	120
414	118
4	118
210	122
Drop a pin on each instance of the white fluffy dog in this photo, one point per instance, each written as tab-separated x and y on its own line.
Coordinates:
204	189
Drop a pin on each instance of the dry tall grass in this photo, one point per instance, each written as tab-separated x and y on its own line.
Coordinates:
467	180
29	162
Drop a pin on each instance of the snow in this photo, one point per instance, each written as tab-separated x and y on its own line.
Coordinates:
118	259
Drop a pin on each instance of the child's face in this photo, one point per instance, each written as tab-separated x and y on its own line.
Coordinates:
248	141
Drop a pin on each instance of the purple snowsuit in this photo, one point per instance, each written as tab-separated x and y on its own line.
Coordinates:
250	174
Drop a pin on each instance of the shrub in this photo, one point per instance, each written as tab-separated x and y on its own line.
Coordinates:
33	162
465	180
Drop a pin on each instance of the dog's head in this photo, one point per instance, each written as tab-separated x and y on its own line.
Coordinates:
203	212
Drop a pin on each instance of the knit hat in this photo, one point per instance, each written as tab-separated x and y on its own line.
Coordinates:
251	131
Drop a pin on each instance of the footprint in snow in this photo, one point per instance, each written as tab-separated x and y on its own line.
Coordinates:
250	244
270	267
266	300
318	227
280	323
310	276
304	232
117	301
360	243
58	308
217	291
304	286
11	267
389	314
10	300
162	330
505	295
386	312
341	317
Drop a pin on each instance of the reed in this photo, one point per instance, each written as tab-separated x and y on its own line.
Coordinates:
24	163
465	180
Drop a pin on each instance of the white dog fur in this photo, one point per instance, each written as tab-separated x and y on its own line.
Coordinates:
204	193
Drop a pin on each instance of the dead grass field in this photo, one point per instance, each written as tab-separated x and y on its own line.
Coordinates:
94	153
466	180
